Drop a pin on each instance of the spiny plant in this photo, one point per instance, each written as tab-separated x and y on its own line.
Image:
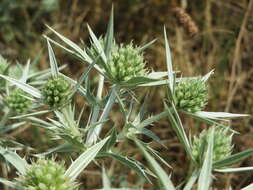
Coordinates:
124	67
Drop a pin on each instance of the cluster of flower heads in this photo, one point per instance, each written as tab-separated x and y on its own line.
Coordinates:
56	92
191	95
18	102
222	146
45	175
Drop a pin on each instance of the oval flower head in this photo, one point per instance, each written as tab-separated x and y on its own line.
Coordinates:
126	62
222	146
56	92
191	95
17	101
45	175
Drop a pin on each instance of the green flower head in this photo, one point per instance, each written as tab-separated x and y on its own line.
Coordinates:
191	95
45	175
126	62
17	101
222	146
56	92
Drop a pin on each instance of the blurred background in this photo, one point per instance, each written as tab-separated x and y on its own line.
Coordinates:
203	35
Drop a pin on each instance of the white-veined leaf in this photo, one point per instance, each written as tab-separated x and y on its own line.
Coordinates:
52	61
231	170
15	160
84	159
73	45
169	62
25	87
219	115
205	178
97	44
161	174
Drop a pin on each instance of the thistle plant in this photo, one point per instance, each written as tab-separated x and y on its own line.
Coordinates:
124	67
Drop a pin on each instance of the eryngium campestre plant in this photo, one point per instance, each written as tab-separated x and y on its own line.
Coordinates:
17	101
45	175
56	92
126	62
222	146
191	95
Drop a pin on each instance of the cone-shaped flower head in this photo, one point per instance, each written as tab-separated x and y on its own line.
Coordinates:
126	62
191	95
45	175
18	102
222	146
56	92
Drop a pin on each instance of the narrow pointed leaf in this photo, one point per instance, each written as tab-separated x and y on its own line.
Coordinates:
206	77
97	44
232	170
25	87
161	174
25	73
72	45
109	36
147	45
219	115
169	62
15	160
205	178
192	180
84	159
52	61
233	159
131	163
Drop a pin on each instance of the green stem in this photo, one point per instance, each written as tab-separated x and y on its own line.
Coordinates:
94	132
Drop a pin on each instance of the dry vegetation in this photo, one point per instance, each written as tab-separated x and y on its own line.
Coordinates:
203	35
